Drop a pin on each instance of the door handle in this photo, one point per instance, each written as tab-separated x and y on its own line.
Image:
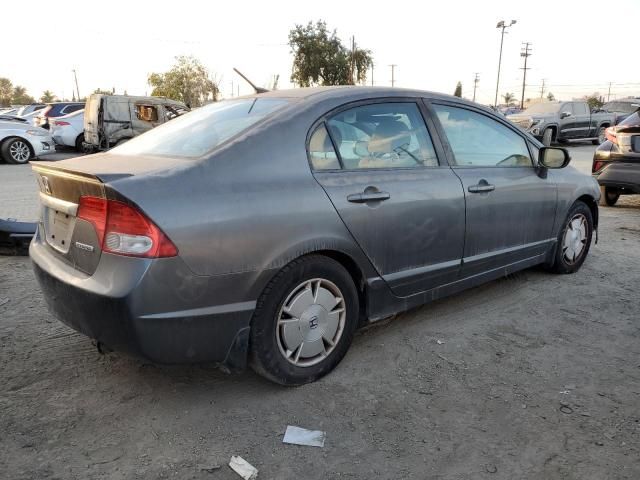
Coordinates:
368	197
481	187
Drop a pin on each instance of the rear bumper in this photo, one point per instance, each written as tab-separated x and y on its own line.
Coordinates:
622	175
138	306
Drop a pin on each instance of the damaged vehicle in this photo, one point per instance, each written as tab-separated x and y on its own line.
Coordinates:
265	230
111	120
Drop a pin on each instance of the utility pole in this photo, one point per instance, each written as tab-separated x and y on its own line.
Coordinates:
503	26
353	59
393	74
609	92
526	54
231	88
475	85
372	73
542	88
76	78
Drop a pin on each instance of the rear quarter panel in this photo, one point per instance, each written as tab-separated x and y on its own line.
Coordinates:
572	185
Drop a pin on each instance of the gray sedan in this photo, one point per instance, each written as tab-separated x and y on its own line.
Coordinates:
265	230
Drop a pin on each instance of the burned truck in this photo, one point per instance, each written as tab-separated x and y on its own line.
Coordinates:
110	120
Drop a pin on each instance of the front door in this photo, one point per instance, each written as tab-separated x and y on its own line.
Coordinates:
568	127
404	209
510	210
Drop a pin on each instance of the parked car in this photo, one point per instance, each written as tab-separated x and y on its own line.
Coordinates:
12	118
249	229
33	107
114	119
616	163
622	107
510	111
20	142
54	110
9	111
562	121
68	130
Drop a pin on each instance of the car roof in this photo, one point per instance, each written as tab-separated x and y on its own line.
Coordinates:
347	93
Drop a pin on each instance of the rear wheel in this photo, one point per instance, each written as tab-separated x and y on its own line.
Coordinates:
608	196
601	136
547	136
574	239
80	144
16	151
304	321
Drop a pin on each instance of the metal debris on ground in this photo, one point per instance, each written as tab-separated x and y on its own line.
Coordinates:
243	468
209	468
302	436
440	342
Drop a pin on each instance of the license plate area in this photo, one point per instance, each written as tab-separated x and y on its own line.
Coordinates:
58	228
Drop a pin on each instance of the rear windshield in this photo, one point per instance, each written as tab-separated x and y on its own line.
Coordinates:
631	120
200	131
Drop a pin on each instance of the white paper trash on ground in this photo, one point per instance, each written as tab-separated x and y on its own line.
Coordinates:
302	436
243	468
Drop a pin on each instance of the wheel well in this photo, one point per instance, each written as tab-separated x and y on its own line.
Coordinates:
593	206
356	274
605	125
554	132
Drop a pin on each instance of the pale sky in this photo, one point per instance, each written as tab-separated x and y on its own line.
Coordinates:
118	43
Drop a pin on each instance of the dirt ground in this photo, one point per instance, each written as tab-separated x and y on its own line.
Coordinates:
536	376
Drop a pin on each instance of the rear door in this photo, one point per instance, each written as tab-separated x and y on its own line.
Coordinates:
510	210
584	128
399	199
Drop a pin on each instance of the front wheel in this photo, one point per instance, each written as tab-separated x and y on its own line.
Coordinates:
574	239
547	136
16	151
608	196
304	321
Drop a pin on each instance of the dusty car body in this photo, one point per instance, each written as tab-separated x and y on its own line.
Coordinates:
267	228
113	119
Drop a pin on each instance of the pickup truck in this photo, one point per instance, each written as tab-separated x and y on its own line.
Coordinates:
563	121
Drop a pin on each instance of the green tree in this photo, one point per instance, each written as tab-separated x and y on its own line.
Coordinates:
594	100
20	96
320	58
509	98
188	81
47	97
458	90
6	92
551	97
99	91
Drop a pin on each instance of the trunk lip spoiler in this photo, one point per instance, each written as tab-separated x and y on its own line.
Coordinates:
51	169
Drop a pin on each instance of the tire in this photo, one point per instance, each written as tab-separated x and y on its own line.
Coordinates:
79	144
16	151
547	136
567	258
284	317
608	196
601	137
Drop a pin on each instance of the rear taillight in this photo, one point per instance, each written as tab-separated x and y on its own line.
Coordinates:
124	230
598	165
610	133
61	123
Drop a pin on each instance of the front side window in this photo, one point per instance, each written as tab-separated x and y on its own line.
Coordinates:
479	141
198	132
147	113
382	135
567	108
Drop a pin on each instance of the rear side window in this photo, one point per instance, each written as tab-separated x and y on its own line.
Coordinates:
580	108
479	141
200	131
382	135
321	152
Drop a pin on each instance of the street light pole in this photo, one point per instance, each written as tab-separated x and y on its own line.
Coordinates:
76	78
503	26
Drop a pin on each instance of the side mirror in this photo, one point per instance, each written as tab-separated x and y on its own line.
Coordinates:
565	115
553	157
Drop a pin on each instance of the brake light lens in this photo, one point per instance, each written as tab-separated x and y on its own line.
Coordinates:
124	230
611	135
61	123
597	166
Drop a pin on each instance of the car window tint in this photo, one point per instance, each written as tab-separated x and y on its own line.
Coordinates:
321	151
478	140
580	109
382	135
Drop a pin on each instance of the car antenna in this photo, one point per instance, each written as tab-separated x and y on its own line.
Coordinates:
257	89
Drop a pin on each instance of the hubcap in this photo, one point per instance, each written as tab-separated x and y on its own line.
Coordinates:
575	239
19	151
601	135
310	322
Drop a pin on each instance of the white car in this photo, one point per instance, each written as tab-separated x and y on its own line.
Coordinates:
21	142
68	130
